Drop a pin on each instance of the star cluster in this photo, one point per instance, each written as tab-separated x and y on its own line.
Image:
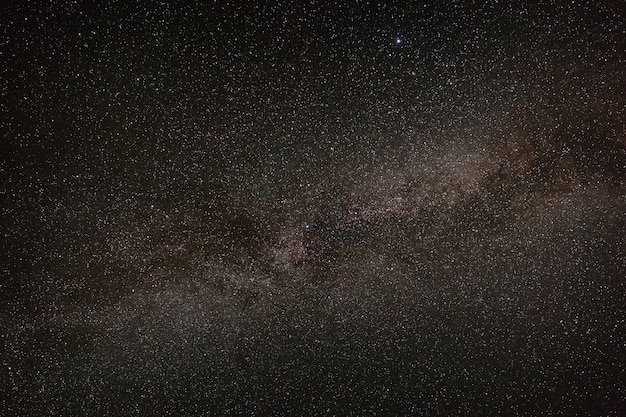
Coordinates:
283	208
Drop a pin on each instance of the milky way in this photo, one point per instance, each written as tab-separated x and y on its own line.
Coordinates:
313	209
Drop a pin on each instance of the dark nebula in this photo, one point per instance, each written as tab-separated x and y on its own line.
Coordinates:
311	209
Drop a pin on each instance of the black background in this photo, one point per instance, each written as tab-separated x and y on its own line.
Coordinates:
272	208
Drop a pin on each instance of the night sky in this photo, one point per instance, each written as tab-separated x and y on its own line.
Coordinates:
301	208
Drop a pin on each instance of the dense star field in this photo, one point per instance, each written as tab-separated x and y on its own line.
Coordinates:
305	208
